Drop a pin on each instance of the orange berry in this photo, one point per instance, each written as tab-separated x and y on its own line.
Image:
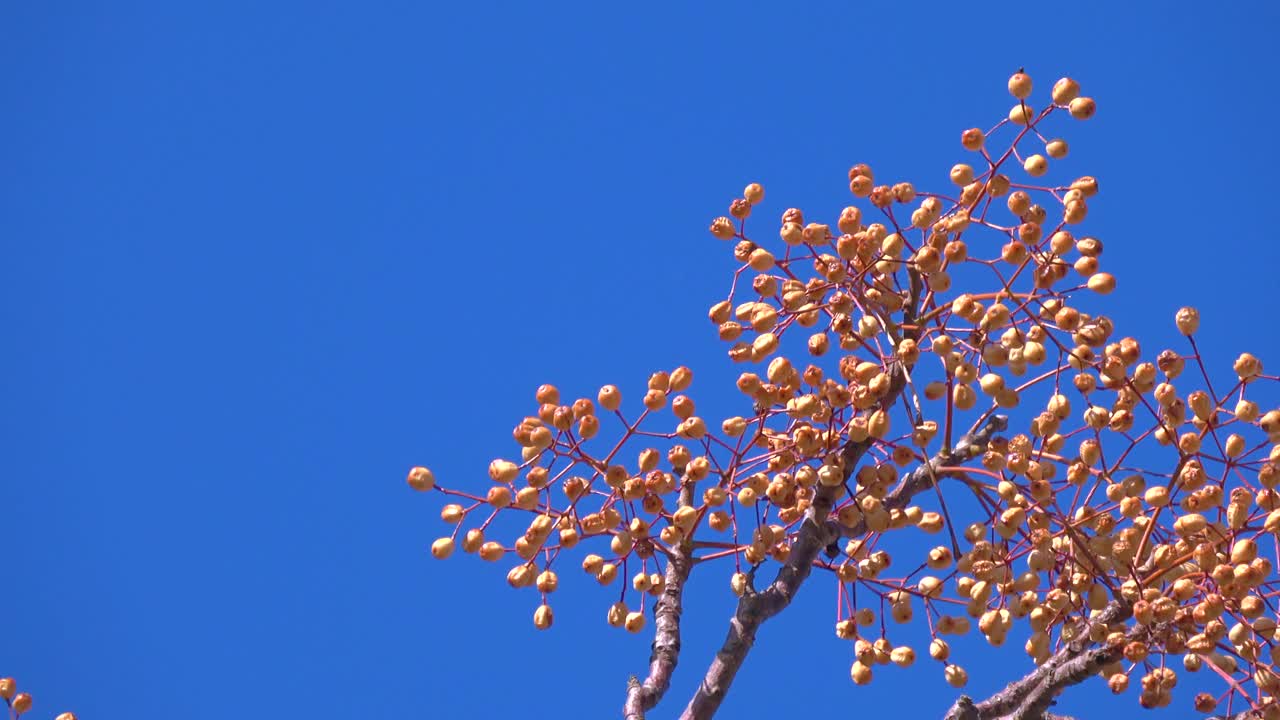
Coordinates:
1020	85
21	703
547	395
722	227
861	169
442	548
1021	114
421	478
8	686
542	617
972	139
1102	283
680	379
609	397
634	622
753	193
503	471
1065	90
961	174
1187	320
1082	108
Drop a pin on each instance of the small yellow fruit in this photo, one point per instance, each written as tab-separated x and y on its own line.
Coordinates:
634	622
902	656
442	548
8	686
1020	85
503	471
547	581
610	397
1021	114
617	614
972	139
754	193
543	617
1065	90
1102	283
1188	320
1082	108
421	478
722	227
21	703
939	649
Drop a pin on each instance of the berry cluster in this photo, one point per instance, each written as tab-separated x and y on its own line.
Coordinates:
1123	530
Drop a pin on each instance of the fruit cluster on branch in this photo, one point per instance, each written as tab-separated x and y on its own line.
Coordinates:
1125	528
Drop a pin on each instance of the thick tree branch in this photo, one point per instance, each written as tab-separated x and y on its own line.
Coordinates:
815	533
643	696
1030	697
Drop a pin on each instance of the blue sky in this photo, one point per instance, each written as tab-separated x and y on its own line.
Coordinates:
263	257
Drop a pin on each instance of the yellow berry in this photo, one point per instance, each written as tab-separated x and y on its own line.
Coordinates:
617	614
634	622
1102	283
543	617
610	397
421	478
1188	320
547	581
503	471
1065	90
1082	108
442	548
972	139
902	656
1020	85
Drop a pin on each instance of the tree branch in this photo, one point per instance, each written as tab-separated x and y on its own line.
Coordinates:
642	697
754	608
1031	697
923	476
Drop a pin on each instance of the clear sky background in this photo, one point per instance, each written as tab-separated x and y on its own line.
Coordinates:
260	258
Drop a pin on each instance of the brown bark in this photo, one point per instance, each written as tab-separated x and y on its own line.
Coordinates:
643	696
